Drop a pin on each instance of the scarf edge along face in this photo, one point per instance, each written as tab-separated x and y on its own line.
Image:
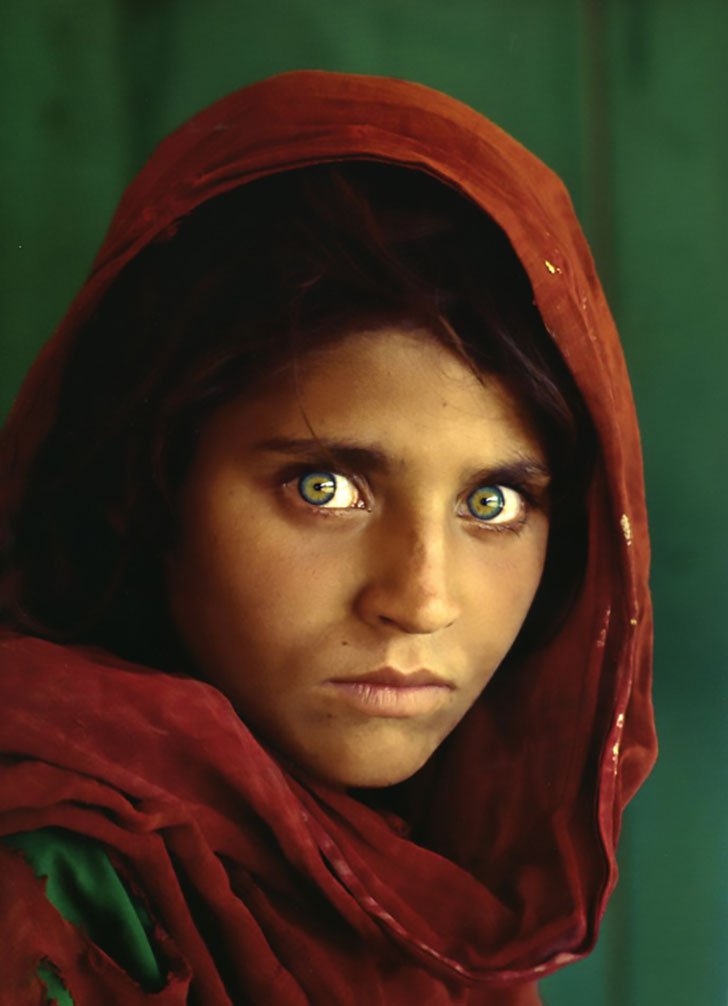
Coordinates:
583	741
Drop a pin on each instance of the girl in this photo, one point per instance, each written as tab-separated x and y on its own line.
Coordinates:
327	632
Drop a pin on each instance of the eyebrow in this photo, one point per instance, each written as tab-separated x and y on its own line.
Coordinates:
372	459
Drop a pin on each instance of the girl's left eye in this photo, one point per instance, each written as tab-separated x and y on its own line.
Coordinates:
496	505
330	491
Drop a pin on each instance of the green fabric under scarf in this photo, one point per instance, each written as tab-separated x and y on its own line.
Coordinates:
84	887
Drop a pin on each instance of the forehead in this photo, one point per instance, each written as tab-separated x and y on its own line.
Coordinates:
397	386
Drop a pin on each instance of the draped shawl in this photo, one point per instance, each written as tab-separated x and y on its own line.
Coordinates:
273	889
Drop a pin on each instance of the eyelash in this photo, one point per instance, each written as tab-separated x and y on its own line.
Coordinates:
289	478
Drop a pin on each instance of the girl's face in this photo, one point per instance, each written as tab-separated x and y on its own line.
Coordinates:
383	512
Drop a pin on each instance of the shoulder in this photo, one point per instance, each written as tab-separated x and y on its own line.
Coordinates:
83	886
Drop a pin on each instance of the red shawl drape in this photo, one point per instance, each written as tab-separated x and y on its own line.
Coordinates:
272	889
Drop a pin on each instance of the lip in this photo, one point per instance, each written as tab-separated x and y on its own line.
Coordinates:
391	693
392	678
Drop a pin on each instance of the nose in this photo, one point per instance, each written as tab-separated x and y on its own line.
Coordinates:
411	580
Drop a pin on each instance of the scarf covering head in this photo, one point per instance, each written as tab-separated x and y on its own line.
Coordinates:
271	888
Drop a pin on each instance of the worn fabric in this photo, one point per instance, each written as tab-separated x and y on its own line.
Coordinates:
270	888
86	888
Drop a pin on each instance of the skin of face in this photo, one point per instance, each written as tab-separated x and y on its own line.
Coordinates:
274	596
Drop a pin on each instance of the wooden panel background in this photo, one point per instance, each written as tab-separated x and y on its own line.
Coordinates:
626	99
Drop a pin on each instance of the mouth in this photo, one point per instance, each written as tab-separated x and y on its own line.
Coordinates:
391	693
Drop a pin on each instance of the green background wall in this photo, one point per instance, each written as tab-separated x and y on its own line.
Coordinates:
627	100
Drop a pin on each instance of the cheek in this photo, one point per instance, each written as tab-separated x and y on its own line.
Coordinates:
508	580
529	569
252	573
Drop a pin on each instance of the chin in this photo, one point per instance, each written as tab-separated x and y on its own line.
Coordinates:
368	773
368	780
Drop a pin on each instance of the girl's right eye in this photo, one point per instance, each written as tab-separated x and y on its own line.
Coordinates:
329	491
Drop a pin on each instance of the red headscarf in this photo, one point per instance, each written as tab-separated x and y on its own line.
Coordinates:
313	896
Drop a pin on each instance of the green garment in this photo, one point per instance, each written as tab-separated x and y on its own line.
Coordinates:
88	892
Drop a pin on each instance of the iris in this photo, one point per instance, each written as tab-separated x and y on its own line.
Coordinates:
317	488
486	502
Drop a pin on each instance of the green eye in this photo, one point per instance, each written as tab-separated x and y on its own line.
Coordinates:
486	502
317	488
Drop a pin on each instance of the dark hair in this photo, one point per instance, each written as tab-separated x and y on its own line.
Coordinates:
250	280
